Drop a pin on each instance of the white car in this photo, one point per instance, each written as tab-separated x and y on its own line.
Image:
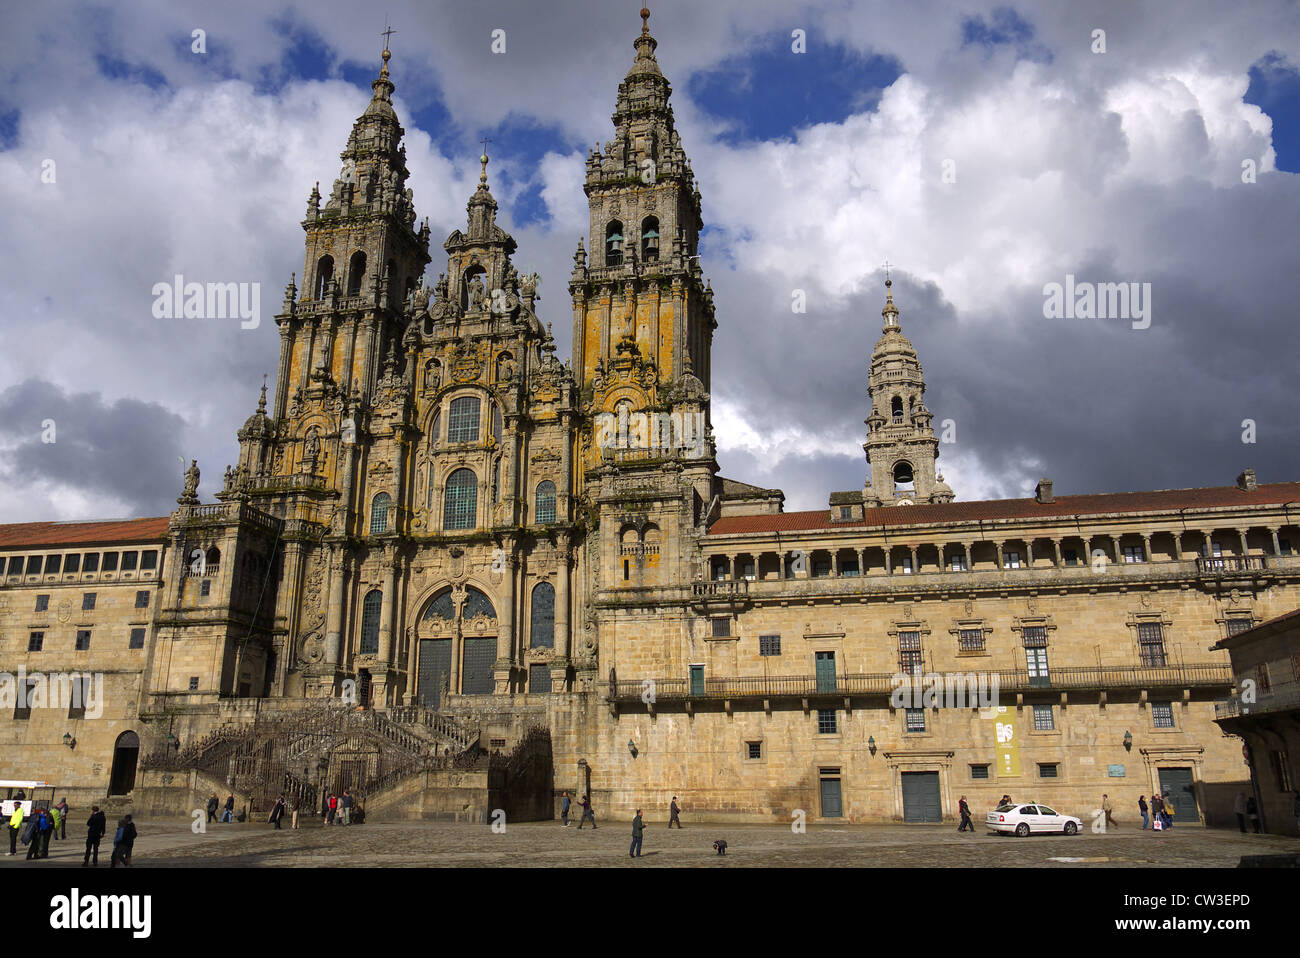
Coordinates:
1023	819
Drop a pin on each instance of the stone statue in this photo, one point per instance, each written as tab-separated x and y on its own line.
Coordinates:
444	687
312	448
190	494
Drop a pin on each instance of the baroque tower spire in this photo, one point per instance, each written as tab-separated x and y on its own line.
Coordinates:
901	446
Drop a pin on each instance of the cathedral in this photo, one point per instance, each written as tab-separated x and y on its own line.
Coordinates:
450	570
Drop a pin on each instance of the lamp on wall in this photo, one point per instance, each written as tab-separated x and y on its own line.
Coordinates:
68	740
871	744
173	742
1128	741
631	747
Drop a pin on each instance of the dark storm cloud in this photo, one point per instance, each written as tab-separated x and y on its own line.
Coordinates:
126	450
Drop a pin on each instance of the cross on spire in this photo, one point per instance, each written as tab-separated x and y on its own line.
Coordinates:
388	32
886	264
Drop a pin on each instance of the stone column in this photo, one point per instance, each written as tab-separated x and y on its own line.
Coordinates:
731	560
1146	547
835	562
386	610
1209	550
1119	557
334	609
998	548
282	374
1245	549
565	492
889	561
506	620
916	568
1277	545
782	558
862	562
1056	552
562	595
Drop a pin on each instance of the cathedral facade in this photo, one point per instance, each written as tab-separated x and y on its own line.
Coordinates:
437	523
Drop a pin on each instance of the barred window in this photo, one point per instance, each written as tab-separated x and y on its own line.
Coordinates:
826	722
460	500
722	627
545	511
970	640
83	640
909	652
370	609
36	642
194	683
379	513
979	771
1134	554
1238	624
1035	636
754	749
142	599
42	603
137	639
915	720
1043	721
462	419
769	645
88	601
1048	770
1151	644
1162	714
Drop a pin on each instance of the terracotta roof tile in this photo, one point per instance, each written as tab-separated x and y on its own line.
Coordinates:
21	535
1164	500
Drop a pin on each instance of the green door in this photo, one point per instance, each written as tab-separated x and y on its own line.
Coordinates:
825	671
832	801
921	797
697	680
1179	784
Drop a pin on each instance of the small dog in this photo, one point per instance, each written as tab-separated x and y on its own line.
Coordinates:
720	847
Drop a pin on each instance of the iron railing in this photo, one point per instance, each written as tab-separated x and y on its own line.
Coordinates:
884	683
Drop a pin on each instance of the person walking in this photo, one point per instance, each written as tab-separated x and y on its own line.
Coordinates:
123	842
229	814
1239	808
587	813
638	831
213	805
1142	808
96	825
15	826
56	819
1157	812
293	819
674	814
1108	807
1252	812
346	803
331	808
1167	803
277	812
63	817
966	822
564	809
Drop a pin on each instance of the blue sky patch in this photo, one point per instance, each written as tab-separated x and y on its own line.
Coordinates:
117	69
771	92
1005	27
9	128
1275	89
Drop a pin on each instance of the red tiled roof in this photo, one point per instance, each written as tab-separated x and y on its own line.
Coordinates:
1163	500
21	535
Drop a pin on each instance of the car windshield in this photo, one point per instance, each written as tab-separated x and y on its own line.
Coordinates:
1045	810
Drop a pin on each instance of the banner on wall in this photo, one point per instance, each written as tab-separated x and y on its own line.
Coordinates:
1008	749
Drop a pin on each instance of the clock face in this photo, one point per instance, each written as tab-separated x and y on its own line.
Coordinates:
904	502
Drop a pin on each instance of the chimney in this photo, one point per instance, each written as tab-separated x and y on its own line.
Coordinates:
1043	491
1246	481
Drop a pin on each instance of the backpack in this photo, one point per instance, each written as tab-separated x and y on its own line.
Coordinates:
117	836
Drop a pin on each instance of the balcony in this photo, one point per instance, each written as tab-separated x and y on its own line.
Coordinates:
882	684
1231	565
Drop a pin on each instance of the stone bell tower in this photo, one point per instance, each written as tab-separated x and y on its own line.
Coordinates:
901	446
642	334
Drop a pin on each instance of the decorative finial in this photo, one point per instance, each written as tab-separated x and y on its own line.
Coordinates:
482	177
886	265
261	403
645	21
388	32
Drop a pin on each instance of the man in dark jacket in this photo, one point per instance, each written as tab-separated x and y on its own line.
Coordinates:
587	813
213	805
638	830
47	832
229	815
674	814
96	825
277	812
123	842
63	817
32	834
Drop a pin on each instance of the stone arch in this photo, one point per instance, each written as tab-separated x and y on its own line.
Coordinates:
356	273
126	753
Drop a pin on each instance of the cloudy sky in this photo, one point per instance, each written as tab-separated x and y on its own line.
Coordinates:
984	149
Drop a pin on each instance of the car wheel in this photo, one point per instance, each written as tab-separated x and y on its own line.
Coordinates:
1071	828
1022	829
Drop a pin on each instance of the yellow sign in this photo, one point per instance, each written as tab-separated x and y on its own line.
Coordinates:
1008	749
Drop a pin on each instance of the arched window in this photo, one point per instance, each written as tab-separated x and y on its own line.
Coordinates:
650	240
212	561
496	421
324	276
614	244
126	751
379	513
896	408
441	611
903	475
462	419
371	606
460	500
545	510
356	273
473	287
435	430
541	628
476	604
